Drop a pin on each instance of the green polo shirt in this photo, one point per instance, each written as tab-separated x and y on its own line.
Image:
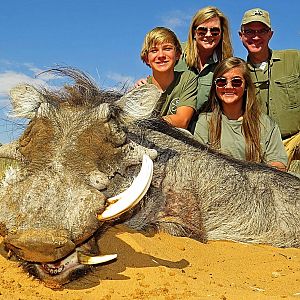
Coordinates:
281	97
233	140
181	92
204	76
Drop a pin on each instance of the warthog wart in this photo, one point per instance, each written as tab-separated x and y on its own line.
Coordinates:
83	146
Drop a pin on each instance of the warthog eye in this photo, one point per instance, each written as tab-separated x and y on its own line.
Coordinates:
98	180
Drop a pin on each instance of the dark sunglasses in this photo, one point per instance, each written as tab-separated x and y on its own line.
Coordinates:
222	82
202	31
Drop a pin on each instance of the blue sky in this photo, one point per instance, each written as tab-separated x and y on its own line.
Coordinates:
103	38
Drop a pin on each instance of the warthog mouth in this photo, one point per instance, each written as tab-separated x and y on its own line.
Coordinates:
74	260
67	264
58	273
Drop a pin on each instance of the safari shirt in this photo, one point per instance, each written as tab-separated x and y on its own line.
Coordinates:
181	92
281	97
233	140
204	76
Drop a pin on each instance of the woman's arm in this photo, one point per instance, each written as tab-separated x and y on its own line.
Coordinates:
276	155
278	165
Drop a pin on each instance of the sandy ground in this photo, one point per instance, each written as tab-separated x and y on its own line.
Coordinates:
166	267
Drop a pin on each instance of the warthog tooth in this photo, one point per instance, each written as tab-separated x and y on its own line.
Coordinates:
130	197
94	260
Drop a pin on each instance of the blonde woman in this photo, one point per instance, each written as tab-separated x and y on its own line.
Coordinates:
235	125
208	43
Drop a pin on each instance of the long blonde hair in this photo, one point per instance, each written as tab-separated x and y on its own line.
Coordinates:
251	108
224	48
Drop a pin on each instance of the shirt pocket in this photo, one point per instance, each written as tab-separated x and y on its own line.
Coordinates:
204	84
288	91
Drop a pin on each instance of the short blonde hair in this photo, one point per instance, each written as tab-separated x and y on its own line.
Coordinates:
159	35
224	48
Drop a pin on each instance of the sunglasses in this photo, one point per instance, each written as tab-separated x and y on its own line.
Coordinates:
202	31
222	82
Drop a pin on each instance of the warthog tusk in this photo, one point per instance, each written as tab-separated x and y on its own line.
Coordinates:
130	197
94	260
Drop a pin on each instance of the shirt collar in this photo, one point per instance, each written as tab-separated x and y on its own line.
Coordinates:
213	59
273	58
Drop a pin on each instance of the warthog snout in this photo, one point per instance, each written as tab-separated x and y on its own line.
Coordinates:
42	245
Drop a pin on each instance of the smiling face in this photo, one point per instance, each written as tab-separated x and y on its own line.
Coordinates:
162	57
208	41
231	95
161	50
255	36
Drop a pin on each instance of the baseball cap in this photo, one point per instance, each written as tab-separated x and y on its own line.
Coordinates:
256	15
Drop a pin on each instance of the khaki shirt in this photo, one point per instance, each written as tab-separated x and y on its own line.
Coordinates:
181	92
204	76
281	97
233	140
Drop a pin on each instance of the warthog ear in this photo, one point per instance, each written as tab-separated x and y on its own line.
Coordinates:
140	102
26	101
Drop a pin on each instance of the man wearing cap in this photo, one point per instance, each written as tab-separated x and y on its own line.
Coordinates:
276	75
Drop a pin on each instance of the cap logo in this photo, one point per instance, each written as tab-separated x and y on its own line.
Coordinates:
258	13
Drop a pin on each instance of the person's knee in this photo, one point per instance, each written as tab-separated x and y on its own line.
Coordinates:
292	147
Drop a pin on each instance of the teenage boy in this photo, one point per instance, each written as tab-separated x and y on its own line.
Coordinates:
160	51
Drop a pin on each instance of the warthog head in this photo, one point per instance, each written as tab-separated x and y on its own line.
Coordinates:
62	193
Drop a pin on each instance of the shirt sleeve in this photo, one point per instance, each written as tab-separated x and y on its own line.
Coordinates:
274	146
201	129
188	96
